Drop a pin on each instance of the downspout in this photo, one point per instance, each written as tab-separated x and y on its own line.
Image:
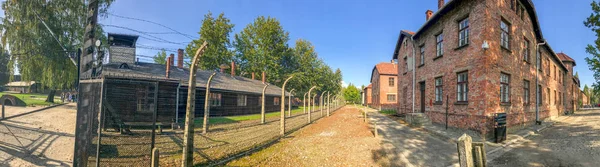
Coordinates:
537	88
412	39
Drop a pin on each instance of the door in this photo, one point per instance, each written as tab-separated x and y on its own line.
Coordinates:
422	86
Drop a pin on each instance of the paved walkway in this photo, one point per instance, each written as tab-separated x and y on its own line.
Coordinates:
43	138
404	146
574	141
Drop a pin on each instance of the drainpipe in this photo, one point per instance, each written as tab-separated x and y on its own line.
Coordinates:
414	73
537	88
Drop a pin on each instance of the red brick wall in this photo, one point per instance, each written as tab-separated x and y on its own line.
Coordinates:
381	88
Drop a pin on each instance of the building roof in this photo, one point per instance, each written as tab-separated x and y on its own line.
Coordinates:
370	86
221	81
387	68
565	58
403	34
20	83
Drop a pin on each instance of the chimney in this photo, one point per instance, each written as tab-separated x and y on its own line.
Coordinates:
172	59
440	4
252	75
263	77
180	58
428	15
232	68
169	65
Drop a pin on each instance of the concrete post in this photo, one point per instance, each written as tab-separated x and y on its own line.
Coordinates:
262	106
304	103
282	104
155	157
321	99
188	136
328	103
290	103
375	128
2	108
465	154
313	103
309	113
207	104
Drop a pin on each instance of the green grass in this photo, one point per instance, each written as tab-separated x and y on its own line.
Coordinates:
234	119
388	112
33	99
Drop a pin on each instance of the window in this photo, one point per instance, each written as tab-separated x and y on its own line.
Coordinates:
548	94
406	63
504	36
462	86
439	91
504	88
391	82
463	32
525	50
555	97
439	45
526	92
391	97
539	95
548	67
422	48
276	101
241	100
539	60
521	11
215	99
555	73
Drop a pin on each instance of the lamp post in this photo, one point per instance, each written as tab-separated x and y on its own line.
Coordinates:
282	120
290	103
310	90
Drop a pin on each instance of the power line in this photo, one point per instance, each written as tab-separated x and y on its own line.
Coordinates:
154	38
125	17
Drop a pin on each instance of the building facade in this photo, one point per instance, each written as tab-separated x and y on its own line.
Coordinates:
479	58
367	92
384	82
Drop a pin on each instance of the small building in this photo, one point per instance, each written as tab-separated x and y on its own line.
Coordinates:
367	93
384	79
22	87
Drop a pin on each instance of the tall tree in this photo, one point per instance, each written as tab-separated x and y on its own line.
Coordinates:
216	31
160	57
34	49
4	74
261	46
352	94
593	61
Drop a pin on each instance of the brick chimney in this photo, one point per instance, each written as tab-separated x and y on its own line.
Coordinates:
180	58
252	75
440	4
172	57
263	77
232	68
169	60
428	15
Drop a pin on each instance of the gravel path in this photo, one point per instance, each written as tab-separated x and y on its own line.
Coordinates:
42	138
574	141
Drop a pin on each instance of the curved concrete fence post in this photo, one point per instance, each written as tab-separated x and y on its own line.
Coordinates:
262	106
310	90
207	104
188	136
282	104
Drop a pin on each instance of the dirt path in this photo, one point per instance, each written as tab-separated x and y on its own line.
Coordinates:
42	138
340	140
574	141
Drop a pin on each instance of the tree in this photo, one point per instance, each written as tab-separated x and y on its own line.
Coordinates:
352	94
262	47
4	74
216	32
35	50
593	22
160	57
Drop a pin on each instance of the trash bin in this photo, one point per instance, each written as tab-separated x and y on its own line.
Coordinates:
500	127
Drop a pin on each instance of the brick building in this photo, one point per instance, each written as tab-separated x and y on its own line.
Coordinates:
480	58
384	81
367	91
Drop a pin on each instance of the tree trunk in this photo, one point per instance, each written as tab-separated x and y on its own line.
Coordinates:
51	96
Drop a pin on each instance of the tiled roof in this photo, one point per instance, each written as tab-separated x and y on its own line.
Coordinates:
387	68
221	81
370	86
564	57
409	32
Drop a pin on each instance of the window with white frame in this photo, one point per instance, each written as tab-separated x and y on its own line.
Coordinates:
241	100
439	91
504	37
462	86
439	45
463	32
504	88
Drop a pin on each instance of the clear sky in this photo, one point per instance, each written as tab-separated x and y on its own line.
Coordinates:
348	34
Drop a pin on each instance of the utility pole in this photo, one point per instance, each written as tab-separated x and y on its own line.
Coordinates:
188	136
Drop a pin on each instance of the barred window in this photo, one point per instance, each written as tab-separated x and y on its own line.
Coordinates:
439	91
241	100
504	37
391	97
215	99
526	92
463	32
462	86
439	44
504	88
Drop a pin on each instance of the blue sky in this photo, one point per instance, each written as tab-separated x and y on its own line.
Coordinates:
348	34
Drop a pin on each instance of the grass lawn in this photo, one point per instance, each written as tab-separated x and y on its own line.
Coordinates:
388	112
239	118
33	99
